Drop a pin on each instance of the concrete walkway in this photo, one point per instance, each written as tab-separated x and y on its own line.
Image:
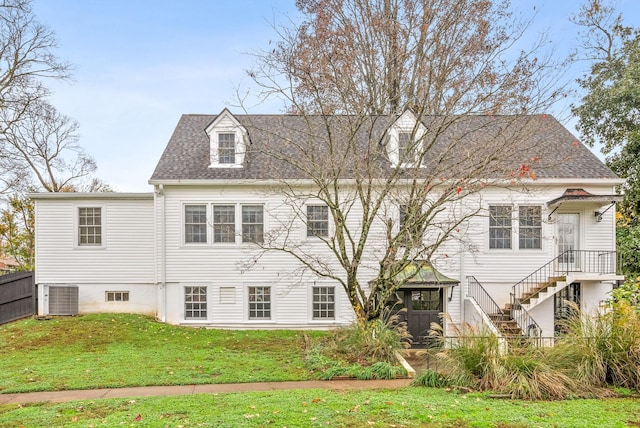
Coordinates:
148	391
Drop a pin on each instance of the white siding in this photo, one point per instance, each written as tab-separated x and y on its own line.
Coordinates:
127	253
240	265
499	269
144	252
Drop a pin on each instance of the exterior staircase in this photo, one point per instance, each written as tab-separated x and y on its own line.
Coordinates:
513	321
507	326
500	318
558	273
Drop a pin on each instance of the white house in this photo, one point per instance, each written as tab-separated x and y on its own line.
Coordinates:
189	251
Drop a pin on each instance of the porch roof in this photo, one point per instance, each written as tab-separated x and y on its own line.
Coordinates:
422	274
581	195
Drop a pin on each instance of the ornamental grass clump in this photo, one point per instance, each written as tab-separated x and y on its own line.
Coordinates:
372	341
602	350
479	359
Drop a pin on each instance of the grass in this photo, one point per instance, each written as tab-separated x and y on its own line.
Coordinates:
408	407
109	350
118	350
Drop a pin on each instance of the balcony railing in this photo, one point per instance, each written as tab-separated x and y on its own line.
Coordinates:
571	261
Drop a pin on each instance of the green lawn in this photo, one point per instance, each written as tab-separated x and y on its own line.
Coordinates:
408	407
109	350
116	350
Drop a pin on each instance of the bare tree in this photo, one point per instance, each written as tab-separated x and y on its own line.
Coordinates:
386	133
43	145
26	59
383	56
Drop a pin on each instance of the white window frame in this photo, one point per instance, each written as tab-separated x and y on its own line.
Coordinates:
413	238
124	296
200	310
103	229
223	136
306	221
184	222
242	224
249	303
511	227
538	227
313	303
234	239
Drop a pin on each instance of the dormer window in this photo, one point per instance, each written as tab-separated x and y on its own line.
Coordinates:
405	141
227	148
404	144
227	139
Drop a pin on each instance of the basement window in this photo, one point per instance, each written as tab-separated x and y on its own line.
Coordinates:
117	296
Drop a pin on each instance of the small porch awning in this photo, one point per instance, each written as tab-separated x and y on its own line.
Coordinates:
422	274
582	196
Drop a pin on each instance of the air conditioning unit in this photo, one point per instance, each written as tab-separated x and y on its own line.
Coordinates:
63	300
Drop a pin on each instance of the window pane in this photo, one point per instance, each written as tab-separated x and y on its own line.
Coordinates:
409	227
224	224
259	303
90	226
404	139
323	303
252	223
499	227
317	220
227	148
195	223
530	227
195	303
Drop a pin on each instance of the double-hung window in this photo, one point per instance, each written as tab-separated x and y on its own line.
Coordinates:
409	226
195	224
227	148
224	223
259	303
90	226
404	145
500	226
324	303
195	303
252	224
530	227
317	220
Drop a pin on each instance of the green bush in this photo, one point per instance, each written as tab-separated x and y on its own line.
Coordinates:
628	293
362	350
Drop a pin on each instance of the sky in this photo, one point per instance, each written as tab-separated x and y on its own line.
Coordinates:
140	64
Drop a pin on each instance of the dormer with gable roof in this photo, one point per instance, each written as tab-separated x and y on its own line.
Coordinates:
227	139
405	140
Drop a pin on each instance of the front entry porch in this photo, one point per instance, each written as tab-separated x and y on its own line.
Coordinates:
424	294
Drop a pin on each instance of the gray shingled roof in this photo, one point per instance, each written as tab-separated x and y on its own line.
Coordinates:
547	146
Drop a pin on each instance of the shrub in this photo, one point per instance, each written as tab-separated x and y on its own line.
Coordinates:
628	293
370	342
362	350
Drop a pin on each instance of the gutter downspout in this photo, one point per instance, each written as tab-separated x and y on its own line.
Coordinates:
159	193
464	284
